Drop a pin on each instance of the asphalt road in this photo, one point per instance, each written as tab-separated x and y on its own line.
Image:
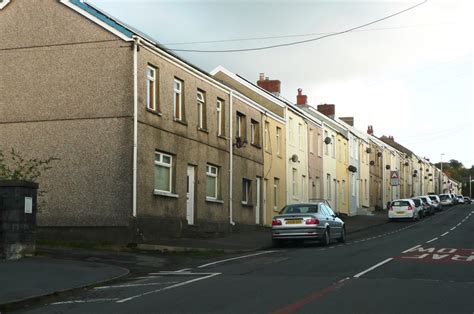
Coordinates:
400	267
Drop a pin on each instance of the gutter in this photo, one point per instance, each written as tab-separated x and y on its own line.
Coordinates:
135	125
231	158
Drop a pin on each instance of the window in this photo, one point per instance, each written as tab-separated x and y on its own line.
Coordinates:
290	131
295	182
328	186
326	150
300	136
241	126
320	145
278	140
333	146
220	117
303	186
255	132
151	88
178	99
276	189
212	174
163	172
311	141
246	191
267	136
201	103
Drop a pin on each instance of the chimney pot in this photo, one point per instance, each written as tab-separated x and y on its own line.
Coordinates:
262	76
300	98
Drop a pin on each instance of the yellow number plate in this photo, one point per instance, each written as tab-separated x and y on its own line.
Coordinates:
293	222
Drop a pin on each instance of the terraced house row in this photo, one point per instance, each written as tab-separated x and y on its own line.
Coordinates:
151	146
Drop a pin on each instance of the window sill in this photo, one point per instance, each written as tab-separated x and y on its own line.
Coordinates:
157	113
203	130
246	204
222	137
256	146
180	122
166	194
214	200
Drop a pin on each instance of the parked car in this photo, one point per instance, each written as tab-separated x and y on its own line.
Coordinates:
403	208
446	199
467	200
419	204
454	199
428	205
460	199
436	202
307	221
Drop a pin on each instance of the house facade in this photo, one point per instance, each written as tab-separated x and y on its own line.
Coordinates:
154	146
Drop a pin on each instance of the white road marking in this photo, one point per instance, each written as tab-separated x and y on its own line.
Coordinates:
168	288
85	301
136	285
184	269
182	273
373	267
458	224
452	228
411	248
235	258
432	240
445	233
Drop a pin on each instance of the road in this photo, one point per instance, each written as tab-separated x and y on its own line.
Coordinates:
422	267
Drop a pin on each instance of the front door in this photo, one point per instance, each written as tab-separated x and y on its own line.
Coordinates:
257	206
190	195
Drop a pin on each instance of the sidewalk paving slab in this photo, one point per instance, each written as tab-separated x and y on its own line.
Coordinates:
34	277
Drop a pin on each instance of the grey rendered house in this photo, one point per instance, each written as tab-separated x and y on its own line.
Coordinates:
145	140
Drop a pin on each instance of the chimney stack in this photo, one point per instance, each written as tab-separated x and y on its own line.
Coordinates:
370	130
300	98
390	137
272	86
348	120
327	110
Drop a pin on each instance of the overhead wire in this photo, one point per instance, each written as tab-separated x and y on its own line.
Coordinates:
303	41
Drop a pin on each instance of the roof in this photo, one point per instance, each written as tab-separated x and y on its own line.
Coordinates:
121	29
396	145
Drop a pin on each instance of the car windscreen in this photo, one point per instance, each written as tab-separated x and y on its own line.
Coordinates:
300	209
417	201
433	198
400	203
443	197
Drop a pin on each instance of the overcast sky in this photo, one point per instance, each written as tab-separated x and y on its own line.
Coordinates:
410	76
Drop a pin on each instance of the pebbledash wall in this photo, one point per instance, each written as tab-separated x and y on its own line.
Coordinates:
74	100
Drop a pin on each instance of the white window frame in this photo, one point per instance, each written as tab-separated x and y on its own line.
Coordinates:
151	80
239	125
252	133
169	165
215	175
278	140
201	102
246	191
219	108
295	182
178	91
276	183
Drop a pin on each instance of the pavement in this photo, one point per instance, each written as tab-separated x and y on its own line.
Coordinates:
33	278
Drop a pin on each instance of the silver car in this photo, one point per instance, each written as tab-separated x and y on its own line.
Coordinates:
305	221
446	199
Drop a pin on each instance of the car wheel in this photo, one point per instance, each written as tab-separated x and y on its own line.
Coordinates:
326	239
342	239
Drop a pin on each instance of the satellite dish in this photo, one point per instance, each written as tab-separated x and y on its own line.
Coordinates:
327	140
294	158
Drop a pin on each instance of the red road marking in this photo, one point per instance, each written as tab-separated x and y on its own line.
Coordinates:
291	308
434	255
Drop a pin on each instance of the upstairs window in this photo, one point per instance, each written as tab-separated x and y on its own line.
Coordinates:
255	132
201	103
246	191
278	140
151	88
178	99
241	126
220	117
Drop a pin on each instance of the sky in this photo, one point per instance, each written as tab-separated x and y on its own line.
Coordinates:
410	76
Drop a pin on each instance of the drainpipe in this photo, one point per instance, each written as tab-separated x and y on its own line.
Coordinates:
384	203
231	158
135	125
